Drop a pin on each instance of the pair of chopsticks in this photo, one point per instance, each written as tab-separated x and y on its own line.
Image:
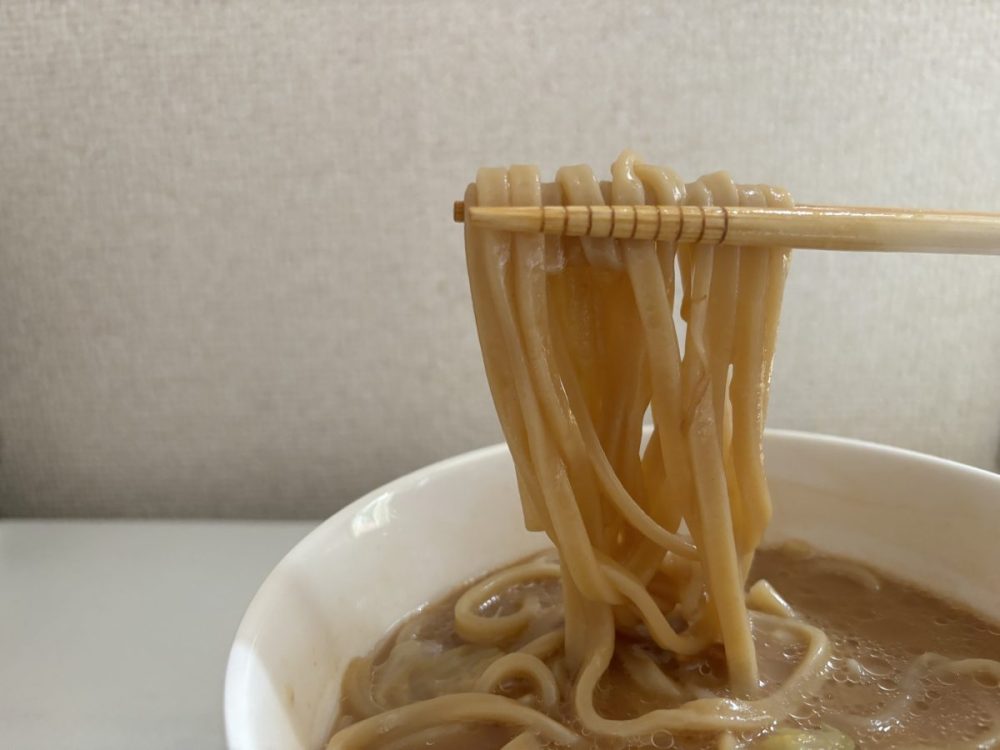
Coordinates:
808	227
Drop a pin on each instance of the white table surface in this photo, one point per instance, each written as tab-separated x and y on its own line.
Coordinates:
115	634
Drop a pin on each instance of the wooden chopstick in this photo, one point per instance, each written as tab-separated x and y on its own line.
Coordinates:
808	227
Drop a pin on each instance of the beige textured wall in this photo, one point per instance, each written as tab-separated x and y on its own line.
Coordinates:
196	317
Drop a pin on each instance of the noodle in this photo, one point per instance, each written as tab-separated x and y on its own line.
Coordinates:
458	707
654	545
578	340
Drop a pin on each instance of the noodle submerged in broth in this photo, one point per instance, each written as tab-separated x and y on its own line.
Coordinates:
644	630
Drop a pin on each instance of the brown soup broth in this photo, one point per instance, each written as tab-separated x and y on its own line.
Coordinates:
878	691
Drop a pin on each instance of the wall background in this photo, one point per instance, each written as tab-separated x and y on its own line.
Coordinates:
197	319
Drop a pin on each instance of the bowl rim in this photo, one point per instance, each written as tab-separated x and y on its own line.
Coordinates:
233	685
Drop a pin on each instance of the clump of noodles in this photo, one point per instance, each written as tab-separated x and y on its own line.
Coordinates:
579	341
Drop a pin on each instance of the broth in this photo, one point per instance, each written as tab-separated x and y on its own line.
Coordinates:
889	681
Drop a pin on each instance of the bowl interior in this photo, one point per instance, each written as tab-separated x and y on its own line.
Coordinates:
342	588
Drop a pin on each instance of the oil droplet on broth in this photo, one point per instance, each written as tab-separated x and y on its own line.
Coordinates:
662	740
876	666
804	712
986	679
946	678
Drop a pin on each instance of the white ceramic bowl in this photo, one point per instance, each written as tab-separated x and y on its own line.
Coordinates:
347	583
